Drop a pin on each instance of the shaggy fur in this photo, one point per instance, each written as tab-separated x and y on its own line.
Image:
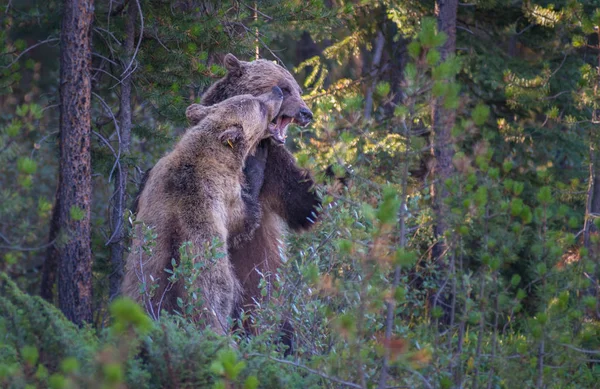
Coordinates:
287	196
194	194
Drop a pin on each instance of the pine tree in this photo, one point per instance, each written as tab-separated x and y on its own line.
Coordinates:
73	199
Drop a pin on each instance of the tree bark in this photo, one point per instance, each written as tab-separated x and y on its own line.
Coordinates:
592	212
117	248
592	209
377	52
593	196
51	260
72	206
442	151
443	121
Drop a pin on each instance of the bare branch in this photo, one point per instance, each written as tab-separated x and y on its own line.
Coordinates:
101	30
107	73
41	140
5	238
559	66
525	29
118	156
137	48
581	350
120	82
257	11
104	58
29	49
249	31
313	371
465	29
18	248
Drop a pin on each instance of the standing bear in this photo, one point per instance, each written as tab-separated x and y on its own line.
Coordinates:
195	194
287	196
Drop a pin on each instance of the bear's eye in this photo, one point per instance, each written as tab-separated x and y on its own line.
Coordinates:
263	108
285	90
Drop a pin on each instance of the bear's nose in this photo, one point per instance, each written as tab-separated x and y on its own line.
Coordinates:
304	116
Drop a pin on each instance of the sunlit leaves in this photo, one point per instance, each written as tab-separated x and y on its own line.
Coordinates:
544	196
414	49
388	209
353	103
429	37
405	258
383	89
69	365
227	365
76	213
113	373
27	165
433	57
129	315
546	17
30	354
13	128
480	114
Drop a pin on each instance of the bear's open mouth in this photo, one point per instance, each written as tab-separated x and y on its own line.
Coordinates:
278	128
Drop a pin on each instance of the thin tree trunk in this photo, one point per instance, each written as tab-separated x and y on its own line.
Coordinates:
592	213
443	121
391	306
75	183
592	209
117	248
398	59
51	260
593	194
377	52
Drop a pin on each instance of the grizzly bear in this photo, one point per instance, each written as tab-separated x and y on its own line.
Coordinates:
285	192
287	196
194	194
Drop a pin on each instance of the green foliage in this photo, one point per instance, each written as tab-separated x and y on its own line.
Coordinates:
128	315
76	213
36	338
523	85
153	358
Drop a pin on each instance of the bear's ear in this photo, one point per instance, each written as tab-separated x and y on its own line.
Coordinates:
233	65
196	112
231	135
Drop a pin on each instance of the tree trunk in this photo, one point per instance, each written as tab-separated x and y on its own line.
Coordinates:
592	209
593	197
591	237
51	260
120	195
443	121
377	52
72	206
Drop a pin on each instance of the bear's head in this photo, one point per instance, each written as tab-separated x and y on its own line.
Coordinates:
241	120
257	78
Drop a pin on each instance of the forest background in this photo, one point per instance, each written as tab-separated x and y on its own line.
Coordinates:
462	252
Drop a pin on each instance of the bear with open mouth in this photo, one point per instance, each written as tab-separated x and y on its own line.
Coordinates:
195	194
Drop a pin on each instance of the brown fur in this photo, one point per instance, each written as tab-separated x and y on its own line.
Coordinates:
194	194
255	78
287	198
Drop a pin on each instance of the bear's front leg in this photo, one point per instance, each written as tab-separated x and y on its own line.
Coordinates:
289	190
254	173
